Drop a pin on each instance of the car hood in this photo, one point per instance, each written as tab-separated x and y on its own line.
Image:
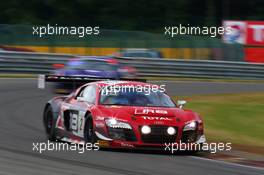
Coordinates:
152	113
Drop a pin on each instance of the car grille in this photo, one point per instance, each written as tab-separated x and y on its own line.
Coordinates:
158	135
122	134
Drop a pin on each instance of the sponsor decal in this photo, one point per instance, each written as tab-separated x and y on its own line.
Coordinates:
103	143
158	122
237	34
157	118
254	54
245	32
99	125
127	145
150	111
255	33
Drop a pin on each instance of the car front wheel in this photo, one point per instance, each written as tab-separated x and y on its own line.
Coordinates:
89	134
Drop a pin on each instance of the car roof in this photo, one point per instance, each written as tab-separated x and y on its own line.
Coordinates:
107	59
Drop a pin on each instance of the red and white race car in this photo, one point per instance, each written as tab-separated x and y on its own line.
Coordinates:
121	114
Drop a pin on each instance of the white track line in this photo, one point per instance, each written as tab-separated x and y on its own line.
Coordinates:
228	163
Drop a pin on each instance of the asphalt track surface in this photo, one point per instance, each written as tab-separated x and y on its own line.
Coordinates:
21	125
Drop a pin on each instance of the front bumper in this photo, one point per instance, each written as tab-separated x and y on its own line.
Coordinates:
106	142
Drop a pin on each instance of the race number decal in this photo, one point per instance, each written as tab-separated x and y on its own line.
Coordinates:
81	122
74	121
77	122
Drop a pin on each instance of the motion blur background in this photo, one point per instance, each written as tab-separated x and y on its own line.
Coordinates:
127	24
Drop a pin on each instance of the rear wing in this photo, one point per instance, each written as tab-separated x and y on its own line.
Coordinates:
75	80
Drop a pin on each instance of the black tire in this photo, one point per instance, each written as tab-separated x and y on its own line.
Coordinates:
49	123
89	134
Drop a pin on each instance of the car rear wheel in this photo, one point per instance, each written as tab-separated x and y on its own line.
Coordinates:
49	123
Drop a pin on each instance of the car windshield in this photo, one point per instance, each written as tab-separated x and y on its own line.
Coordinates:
91	65
126	97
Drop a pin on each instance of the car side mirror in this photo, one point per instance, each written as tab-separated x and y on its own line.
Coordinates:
181	103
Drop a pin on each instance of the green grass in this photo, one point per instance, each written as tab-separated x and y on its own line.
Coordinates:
235	118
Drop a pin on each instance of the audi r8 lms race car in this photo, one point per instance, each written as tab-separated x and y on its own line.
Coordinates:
121	114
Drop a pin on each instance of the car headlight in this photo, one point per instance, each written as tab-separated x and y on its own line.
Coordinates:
171	130
190	126
145	129
113	123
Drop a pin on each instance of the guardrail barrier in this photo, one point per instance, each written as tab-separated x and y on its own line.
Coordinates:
36	63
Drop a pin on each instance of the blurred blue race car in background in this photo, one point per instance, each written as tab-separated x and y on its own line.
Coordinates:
91	66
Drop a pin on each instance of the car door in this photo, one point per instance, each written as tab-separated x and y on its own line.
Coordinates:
78	107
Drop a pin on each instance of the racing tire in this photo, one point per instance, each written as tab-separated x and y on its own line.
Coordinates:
49	123
89	134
